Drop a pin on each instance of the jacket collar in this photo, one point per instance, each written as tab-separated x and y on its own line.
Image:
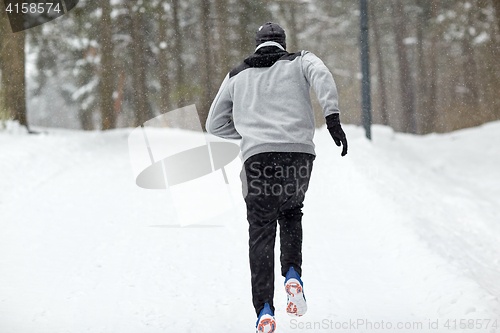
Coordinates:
270	43
265	56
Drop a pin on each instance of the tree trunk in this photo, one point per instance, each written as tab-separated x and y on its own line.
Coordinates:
13	76
106	86
470	67
163	61
431	111
207	66
380	66
3	40
142	112
407	94
120	89
496	54
496	4
86	121
223	55
177	53
13	71
289	12
244	41
422	23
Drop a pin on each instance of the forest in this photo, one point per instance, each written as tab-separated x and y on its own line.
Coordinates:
435	65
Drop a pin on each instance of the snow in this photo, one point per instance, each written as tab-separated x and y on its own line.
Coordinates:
410	40
481	38
403	229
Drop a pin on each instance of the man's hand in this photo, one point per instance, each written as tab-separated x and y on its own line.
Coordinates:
336	131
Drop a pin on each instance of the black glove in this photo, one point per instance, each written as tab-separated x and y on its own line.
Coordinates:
338	135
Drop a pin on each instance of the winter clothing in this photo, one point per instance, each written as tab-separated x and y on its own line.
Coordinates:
270	32
274	187
338	135
265	102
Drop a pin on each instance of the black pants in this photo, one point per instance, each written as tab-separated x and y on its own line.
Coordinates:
274	187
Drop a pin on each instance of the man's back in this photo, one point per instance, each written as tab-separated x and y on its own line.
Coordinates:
269	97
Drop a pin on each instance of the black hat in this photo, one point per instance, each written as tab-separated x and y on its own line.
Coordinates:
270	32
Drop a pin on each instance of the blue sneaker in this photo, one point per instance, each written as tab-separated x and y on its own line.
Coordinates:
266	323
296	301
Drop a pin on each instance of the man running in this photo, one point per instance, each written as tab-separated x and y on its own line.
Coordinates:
266	103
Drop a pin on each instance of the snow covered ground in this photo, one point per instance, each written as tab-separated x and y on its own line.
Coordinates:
404	230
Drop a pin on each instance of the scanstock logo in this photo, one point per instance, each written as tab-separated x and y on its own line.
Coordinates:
186	162
26	14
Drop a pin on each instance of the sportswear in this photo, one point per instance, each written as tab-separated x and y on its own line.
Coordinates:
296	301
266	102
270	32
274	188
336	131
265	322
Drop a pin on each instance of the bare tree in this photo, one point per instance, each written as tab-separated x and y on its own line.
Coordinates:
141	103
13	69
422	22
106	85
469	63
429	123
496	4
380	65
3	41
207	61
407	93
177	52
163	59
223	55
289	11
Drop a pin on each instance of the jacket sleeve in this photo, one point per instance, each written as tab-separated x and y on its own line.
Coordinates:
220	121
321	80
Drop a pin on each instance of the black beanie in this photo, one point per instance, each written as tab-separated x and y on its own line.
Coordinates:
270	32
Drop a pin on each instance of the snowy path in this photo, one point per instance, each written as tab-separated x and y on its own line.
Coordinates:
404	229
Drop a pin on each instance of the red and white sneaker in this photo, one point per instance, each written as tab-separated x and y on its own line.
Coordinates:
296	301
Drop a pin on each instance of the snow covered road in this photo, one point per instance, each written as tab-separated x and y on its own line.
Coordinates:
403	230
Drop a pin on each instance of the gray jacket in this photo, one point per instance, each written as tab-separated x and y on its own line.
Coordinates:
269	108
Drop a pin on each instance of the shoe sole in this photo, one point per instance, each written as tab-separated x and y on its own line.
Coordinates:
266	324
297	305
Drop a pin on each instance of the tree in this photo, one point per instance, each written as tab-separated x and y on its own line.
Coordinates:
426	69
139	50
407	94
251	15
3	40
223	53
177	52
380	65
496	5
469	63
288	10
12	66
84	90
430	113
207	63
163	59
106	84
493	65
